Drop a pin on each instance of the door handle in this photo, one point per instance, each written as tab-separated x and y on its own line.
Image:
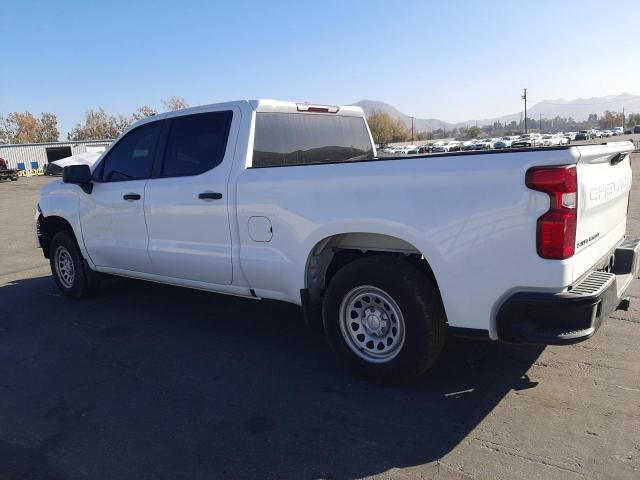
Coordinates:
131	196
209	196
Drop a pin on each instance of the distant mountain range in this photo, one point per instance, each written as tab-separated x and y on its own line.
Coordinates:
579	109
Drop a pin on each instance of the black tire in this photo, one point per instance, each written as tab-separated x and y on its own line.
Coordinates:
84	282
14	179
420	307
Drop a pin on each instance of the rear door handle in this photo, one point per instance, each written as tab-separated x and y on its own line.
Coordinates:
131	196
209	196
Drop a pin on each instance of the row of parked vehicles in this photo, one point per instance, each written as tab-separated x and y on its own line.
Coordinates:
511	141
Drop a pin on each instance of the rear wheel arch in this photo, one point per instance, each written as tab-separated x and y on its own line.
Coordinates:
334	252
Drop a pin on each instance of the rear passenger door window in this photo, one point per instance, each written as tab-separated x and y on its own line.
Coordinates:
132	157
195	143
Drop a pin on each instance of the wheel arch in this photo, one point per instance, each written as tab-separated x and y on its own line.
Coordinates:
337	250
48	227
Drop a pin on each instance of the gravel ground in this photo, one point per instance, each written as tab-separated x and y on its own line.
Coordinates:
155	382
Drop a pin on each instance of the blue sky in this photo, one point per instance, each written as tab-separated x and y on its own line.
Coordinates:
453	60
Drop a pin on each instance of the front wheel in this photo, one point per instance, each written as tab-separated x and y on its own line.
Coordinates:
70	271
384	318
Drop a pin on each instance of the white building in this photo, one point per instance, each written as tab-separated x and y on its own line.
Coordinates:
36	155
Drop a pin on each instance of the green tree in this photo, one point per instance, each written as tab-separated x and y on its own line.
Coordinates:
98	126
421	136
633	119
381	126
400	132
471	132
48	128
610	120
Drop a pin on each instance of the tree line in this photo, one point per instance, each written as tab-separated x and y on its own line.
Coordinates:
385	129
24	127
27	128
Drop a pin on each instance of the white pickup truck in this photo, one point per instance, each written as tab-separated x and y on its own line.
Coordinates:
289	201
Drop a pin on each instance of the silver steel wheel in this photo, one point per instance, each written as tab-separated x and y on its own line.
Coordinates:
65	269
372	324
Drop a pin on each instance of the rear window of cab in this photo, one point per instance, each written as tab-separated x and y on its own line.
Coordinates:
286	139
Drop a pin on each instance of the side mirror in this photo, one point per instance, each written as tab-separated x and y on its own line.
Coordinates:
79	175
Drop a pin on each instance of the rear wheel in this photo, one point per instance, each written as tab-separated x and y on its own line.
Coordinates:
384	318
70	271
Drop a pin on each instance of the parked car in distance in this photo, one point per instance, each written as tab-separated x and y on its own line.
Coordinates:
454	146
467	145
583	135
553	140
439	146
505	142
527	140
607	133
636	129
7	173
398	254
618	131
482	144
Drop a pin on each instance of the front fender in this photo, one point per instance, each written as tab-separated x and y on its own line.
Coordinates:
64	202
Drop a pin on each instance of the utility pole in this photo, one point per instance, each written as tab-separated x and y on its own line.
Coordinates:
524	97
540	122
411	129
623	120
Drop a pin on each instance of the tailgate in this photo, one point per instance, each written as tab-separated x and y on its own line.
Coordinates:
604	182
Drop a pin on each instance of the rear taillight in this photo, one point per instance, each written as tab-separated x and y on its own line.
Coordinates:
556	234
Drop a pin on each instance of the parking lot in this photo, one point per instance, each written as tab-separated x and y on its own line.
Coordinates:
383	152
154	382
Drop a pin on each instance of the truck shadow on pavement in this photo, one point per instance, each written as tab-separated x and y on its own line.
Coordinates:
151	381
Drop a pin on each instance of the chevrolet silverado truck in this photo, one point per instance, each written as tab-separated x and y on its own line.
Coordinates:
7	173
289	201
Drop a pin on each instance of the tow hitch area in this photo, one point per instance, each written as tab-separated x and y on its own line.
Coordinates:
575	315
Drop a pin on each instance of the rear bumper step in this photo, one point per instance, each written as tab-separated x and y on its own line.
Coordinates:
575	315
